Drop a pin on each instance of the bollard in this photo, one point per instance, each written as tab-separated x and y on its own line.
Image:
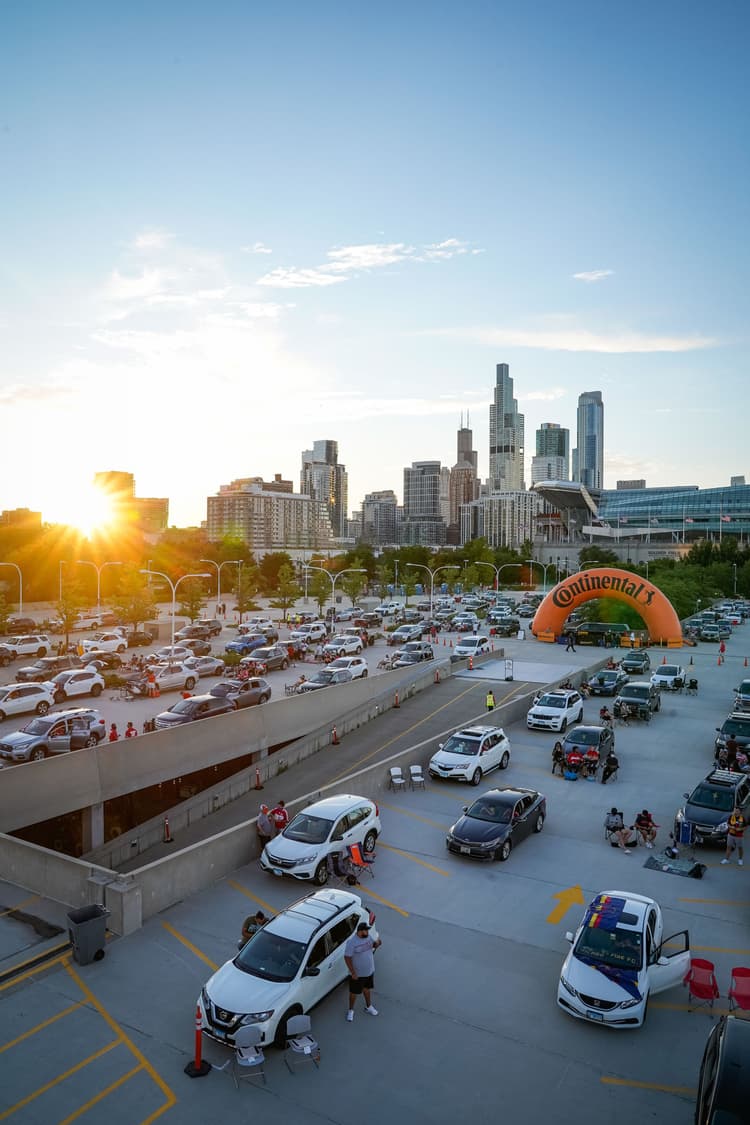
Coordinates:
334	737
198	1068
258	783
691	658
471	663
396	702
167	838
437	676
746	662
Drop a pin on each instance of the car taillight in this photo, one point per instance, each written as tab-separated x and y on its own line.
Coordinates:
377	811
371	917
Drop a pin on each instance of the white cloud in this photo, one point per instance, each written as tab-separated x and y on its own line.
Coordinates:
550	395
293	278
135	287
152	239
593	275
582	340
447	249
257	248
368	256
344	262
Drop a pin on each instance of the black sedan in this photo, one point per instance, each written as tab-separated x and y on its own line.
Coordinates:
608	681
139	637
497	822
244	693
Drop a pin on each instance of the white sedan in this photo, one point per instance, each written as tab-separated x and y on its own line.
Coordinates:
76	681
343	646
15	699
618	959
669	677
357	665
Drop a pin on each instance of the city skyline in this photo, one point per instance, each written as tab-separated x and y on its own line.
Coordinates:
205	241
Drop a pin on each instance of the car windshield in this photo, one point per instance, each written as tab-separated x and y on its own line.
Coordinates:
582	737
736	726
551	701
467	747
494	811
263	653
668	670
271	957
619	947
707	797
308	829
37	726
324	677
636	692
184	707
409	658
605	677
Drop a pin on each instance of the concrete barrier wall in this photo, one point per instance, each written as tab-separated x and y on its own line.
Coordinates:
51	874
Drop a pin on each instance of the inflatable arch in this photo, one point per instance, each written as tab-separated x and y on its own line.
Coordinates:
656	610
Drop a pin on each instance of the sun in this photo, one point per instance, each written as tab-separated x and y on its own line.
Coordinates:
92	511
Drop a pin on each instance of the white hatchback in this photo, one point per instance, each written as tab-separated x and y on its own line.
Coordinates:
471	753
322	829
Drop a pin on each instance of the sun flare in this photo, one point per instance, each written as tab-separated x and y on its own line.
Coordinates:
91	511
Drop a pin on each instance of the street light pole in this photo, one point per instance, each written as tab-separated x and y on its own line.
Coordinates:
98	569
59	573
173	587
544	566
234	562
334	579
20	584
432	573
734	579
496	570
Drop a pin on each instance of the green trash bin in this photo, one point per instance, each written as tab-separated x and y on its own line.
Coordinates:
87	929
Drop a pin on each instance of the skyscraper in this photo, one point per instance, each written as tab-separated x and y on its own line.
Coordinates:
326	481
464	484
552	458
506	436
588	456
423	521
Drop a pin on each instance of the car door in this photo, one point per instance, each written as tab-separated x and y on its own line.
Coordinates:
522	819
316	975
341	834
670	961
58	739
490	753
338	937
78	684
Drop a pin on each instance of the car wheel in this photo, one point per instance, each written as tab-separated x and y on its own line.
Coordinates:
369	841
539	823
645	1011
504	851
2	716
357	650
284	665
121	648
37	755
279	1039
189	683
364	675
43	707
59	697
321	874
563	726
505	761
263	699
96	690
4	661
91	741
476	777
580	716
658	705
41	651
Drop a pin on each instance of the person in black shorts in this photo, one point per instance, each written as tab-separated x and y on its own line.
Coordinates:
360	961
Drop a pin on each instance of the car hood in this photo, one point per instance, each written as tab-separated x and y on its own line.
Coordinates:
592	982
475	831
310	686
240	992
546	712
445	758
282	848
171	718
18	738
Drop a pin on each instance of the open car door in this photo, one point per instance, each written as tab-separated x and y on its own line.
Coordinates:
670	963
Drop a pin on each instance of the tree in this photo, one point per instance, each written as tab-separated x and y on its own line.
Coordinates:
353	584
192	598
4	613
270	565
287	590
67	609
134	601
319	589
246	590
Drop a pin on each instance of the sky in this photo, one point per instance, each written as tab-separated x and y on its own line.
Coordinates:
231	229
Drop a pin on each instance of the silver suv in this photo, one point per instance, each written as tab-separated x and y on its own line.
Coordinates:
54	734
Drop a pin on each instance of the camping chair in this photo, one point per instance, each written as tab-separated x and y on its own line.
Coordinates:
359	862
248	1060
396	779
416	777
612	825
341	870
691	687
739	990
301	1047
701	983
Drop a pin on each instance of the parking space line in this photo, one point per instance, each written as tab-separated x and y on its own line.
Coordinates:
42	967
60	1078
711	949
385	902
41	1026
189	945
20	905
414	859
249	894
715	901
100	1096
662	1006
414	816
171	1097
679	1091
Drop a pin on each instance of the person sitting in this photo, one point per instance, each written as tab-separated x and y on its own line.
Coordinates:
558	758
301	680
605	716
611	664
645	827
623	712
251	925
573	764
611	766
741	760
591	762
614	829
584	689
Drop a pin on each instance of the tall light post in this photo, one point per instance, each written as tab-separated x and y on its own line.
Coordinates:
173	587
432	573
227	562
59	575
20	583
734	579
98	569
544	566
395	576
496	569
334	579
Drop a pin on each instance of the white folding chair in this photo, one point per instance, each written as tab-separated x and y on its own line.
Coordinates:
301	1047
396	779
416	777
249	1060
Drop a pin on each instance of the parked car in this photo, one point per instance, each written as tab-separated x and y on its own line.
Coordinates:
619	958
54	734
170	653
641	697
138	637
6	655
206	665
78	681
109	660
21	625
470	646
271	657
369	620
741	696
737	726
193	632
213	625
669	677
46	668
243	693
172	676
106	642
19	699
29	644
192	709
709	632
357	665
471	753
405	633
710	805
326	677
724	1081
590	738
246	644
554	710
497	822
311	633
343	646
285	968
325	827
197	645
526	610
636	662
607	681
505	626
422	650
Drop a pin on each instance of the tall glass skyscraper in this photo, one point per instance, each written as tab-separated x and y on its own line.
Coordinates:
506	436
588	456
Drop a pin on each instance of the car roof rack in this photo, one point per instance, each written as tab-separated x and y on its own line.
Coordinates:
725	777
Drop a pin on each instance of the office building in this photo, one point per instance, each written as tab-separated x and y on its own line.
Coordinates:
552	453
149	515
630	485
506	436
268	518
323	478
21	518
379	517
505	519
463	483
422	519
588	456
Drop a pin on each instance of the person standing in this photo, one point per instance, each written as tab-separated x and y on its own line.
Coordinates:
722	650
360	961
570	637
490	701
735	834
130	731
264	827
280	816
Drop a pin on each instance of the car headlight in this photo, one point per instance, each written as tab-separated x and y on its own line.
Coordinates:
630	1003
680	815
256	1017
568	986
309	858
489	843
723	827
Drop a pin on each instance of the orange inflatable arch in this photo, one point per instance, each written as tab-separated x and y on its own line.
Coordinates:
605	582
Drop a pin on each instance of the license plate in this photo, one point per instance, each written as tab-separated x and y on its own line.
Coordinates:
597	1016
277	871
465	851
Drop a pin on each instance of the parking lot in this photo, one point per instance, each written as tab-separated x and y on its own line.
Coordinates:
466	977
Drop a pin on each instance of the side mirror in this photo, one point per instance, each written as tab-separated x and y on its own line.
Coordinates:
440	745
662	960
312	971
686	795
465	808
569	937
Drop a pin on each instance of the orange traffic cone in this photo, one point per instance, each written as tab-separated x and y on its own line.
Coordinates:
334	737
664	659
167	837
396	702
718	660
258	784
471	663
437	676
451	642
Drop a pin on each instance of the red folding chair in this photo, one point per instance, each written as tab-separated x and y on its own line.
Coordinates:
359	861
739	990
701	983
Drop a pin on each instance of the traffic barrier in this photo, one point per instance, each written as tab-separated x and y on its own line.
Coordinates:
258	783
167	836
334	737
396	701
199	1067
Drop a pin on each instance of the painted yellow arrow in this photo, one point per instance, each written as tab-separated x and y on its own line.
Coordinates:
571	896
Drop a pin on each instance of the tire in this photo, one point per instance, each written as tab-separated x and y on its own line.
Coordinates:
59	697
2	716
284	665
37	755
263	699
364	675
580	716
369	841
91	741
505	760
41	651
505	849
476	777
539	823
189	683
279	1039
320	878
358	650
121	648
4	661
96	690
647	716
42	708
99	955
563	726
658	705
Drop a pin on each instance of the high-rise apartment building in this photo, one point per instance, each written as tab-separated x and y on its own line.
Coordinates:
588	456
149	515
268	517
423	521
379	517
505	519
323	478
506	436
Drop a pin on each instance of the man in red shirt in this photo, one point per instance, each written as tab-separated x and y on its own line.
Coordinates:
280	817
130	731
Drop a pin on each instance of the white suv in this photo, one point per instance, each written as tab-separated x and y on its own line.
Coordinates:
554	710
285	968
471	753
313	631
15	699
323	828
112	641
357	665
36	644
